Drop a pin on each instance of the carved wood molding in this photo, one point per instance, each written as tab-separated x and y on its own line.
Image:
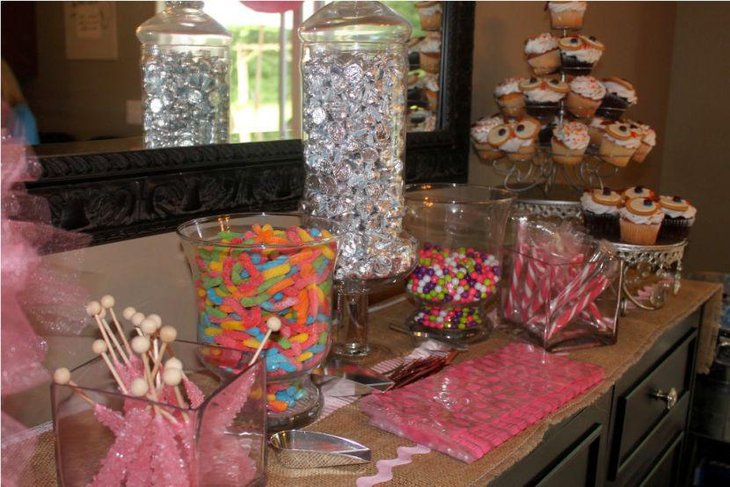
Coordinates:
122	195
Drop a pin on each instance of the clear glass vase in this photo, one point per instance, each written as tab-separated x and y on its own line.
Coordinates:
104	437
460	229
248	268
185	64
354	71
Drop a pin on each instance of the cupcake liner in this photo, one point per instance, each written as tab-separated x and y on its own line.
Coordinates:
569	19
571	65
545	63
639	234
604	226
612	107
543	111
675	230
430	62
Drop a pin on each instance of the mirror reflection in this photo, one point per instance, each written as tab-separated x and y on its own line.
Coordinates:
77	66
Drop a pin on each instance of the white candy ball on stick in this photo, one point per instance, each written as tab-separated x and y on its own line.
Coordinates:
168	334
157	319
139	387
273	323
174	363
107	301
99	347
128	312
137	318
140	344
172	377
62	376
93	308
148	326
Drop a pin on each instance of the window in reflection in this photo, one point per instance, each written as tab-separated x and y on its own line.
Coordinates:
265	100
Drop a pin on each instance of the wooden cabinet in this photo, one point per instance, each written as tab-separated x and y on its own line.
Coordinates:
634	435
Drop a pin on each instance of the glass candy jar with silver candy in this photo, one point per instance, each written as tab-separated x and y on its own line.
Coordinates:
354	72
185	65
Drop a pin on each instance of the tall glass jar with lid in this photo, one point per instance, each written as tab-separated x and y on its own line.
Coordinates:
185	64
354	80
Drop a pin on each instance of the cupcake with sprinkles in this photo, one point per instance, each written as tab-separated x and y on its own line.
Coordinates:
679	215
600	209
640	221
542	54
569	143
585	96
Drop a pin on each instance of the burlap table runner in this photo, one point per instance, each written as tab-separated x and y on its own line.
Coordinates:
637	333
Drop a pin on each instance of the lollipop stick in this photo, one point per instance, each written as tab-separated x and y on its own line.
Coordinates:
120	330
113	336
102	329
113	370
273	324
261	347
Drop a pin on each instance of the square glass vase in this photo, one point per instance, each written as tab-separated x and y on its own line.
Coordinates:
105	437
560	306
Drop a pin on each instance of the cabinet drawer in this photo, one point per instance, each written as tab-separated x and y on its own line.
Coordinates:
640	414
664	472
579	465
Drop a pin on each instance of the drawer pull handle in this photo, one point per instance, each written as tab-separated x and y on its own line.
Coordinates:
669	397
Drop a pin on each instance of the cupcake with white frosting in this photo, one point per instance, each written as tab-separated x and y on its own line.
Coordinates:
542	96
620	95
567	15
641	219
430	14
430	52
579	54
648	141
510	99
600	209
585	96
480	137
542	53
569	143
618	144
679	215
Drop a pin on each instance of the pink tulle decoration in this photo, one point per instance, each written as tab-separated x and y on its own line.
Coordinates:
26	300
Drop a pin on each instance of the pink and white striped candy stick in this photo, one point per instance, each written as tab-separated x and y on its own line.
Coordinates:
586	295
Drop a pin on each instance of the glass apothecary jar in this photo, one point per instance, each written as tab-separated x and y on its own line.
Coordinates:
185	64
354	80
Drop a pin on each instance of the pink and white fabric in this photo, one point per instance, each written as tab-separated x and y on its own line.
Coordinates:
470	408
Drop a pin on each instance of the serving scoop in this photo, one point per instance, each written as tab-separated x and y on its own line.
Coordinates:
311	449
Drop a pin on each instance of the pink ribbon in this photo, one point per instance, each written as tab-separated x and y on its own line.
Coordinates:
385	467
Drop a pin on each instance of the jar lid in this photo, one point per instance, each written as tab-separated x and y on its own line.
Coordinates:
371	22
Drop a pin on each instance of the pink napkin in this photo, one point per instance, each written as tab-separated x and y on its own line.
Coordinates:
470	408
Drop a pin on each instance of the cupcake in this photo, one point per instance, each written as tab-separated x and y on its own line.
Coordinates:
578	54
637	192
430	52
595	129
510	99
430	85
640	220
600	209
618	144
585	96
543	54
542	96
569	143
430	15
567	15
648	141
679	215
480	137
620	95
518	139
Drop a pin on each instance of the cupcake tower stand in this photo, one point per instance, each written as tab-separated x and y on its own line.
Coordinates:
535	178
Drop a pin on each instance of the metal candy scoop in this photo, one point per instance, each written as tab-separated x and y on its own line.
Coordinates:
310	449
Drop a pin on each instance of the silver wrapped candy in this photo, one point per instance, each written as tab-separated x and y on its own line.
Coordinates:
354	144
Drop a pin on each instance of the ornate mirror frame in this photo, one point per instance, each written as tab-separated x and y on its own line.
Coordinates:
121	195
